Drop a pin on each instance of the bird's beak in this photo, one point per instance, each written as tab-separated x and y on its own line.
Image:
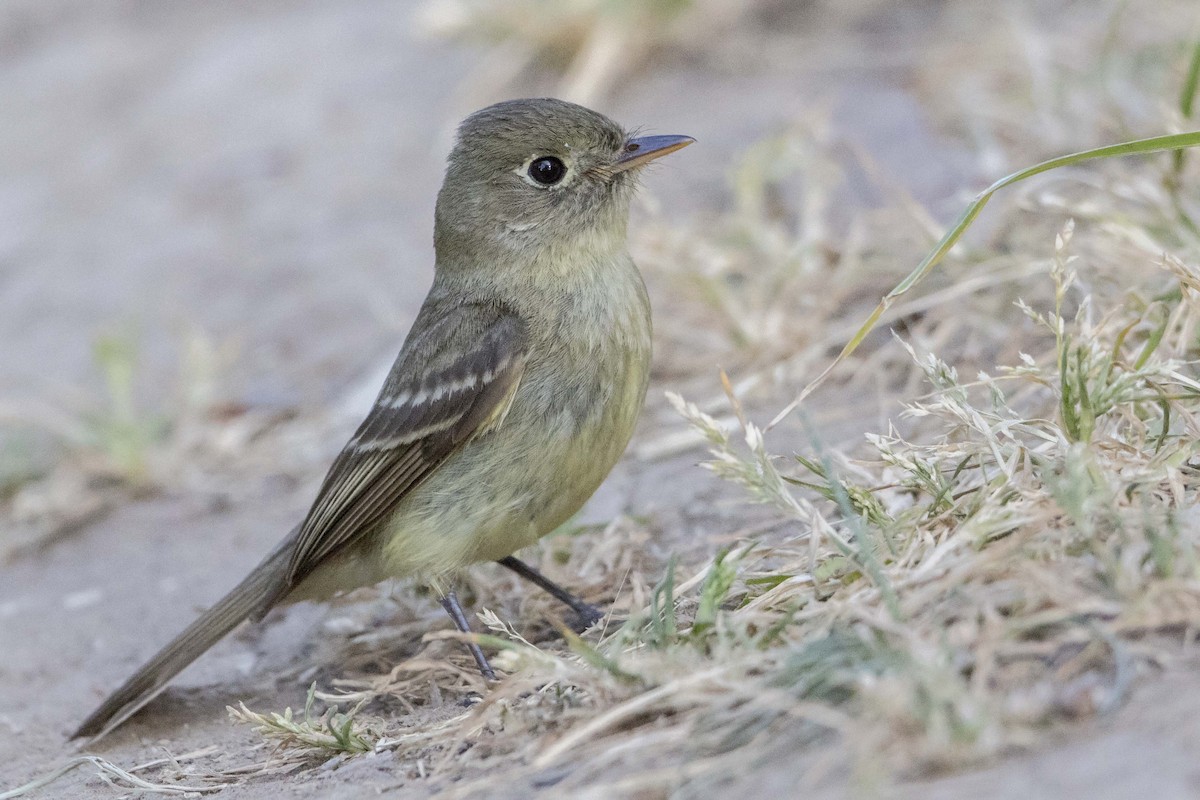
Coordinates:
644	149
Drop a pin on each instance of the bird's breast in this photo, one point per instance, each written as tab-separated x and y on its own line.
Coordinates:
590	359
573	413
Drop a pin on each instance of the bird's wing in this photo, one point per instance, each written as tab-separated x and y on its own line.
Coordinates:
451	382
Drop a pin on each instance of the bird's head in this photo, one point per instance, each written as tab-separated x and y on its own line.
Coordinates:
529	174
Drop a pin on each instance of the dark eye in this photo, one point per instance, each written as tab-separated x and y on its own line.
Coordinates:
547	170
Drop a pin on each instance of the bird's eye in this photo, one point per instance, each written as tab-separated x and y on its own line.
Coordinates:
547	170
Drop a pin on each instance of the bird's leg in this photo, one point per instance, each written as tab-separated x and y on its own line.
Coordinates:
587	613
454	609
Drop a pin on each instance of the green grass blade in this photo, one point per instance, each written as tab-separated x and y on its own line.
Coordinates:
1155	144
1187	102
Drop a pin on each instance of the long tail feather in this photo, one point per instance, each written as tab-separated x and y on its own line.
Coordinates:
253	597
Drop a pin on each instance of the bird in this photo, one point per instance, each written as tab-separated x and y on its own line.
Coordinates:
513	395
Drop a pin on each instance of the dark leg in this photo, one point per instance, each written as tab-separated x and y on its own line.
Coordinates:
450	603
588	614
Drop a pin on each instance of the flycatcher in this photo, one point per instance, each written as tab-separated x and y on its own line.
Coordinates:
515	392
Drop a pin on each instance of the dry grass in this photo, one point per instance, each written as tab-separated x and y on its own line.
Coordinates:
582	48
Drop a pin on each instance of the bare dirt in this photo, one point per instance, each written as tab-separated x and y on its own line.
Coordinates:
267	173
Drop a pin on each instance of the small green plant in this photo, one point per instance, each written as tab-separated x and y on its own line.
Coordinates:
123	432
330	733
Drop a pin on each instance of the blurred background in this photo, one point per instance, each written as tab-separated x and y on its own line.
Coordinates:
216	226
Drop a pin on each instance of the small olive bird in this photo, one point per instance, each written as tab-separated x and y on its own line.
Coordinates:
515	392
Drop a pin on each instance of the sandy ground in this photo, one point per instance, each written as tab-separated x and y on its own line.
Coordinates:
268	174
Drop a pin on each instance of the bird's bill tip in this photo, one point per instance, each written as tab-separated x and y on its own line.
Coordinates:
644	149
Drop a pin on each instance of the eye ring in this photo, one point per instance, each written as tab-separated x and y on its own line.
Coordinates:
546	170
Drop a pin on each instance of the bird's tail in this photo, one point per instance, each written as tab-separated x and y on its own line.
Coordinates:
253	597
